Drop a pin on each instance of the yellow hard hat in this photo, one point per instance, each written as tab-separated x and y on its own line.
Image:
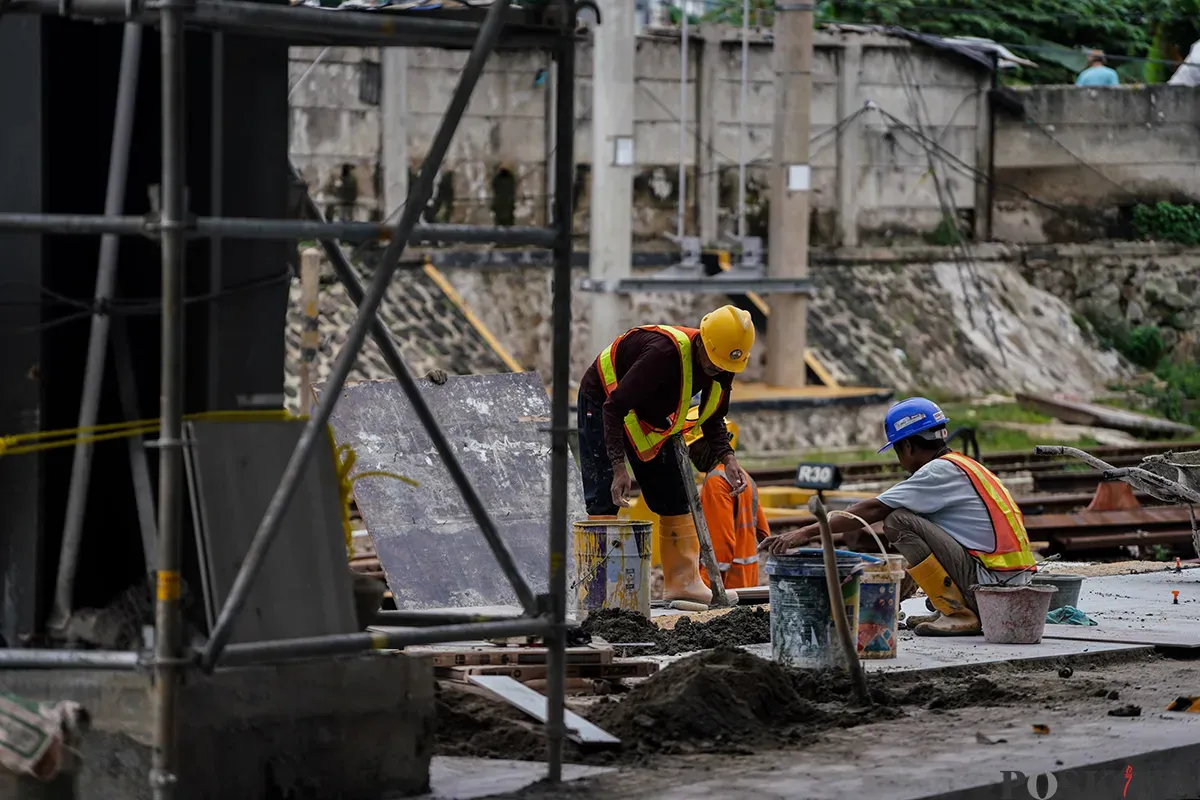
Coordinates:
697	433
728	335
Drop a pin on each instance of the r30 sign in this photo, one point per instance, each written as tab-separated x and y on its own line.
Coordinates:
818	476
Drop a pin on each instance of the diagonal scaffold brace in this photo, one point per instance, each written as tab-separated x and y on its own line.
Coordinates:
363	324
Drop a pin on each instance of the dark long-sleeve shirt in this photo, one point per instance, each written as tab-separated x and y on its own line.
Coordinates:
648	377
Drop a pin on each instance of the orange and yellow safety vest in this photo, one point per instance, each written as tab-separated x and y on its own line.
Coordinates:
1012	542
646	439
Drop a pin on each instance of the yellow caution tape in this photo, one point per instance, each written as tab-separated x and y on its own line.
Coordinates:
344	455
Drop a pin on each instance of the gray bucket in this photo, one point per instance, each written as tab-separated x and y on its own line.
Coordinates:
1068	589
802	627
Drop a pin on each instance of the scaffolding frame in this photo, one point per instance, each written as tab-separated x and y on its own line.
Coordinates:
500	26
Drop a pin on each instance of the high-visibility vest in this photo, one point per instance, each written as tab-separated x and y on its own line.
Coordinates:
646	439
1012	542
734	535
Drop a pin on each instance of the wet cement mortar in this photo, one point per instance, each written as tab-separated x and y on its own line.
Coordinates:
730	702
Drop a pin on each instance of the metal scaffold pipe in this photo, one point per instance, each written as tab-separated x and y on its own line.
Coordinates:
277	229
93	376
364	321
564	215
168	637
349	643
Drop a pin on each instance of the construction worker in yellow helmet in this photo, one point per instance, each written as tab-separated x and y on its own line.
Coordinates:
736	522
633	398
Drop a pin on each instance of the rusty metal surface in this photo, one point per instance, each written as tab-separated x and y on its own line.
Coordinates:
432	552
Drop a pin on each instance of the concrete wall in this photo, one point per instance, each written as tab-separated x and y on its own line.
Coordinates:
864	172
1082	156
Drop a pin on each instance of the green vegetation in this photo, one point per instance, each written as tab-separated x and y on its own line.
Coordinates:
1053	33
1173	391
1167	222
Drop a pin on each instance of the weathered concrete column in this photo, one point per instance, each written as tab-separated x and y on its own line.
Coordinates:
708	178
849	144
614	51
394	113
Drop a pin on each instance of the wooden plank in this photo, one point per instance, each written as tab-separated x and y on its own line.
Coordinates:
426	539
579	730
304	588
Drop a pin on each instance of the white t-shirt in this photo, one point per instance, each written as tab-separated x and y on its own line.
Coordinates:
942	493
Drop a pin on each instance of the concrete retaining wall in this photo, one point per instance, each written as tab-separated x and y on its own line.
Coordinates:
1082	157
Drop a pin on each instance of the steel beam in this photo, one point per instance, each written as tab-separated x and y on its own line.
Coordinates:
364	321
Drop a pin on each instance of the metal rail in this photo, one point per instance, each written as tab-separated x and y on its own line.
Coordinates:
278	229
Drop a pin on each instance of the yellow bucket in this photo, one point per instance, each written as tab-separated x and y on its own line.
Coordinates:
612	565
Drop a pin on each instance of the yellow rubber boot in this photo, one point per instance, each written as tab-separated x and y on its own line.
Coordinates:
956	618
679	547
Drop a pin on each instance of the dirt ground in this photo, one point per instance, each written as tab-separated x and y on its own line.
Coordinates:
728	710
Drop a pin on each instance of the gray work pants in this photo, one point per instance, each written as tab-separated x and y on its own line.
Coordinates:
916	538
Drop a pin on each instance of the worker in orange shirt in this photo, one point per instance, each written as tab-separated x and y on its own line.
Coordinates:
736	521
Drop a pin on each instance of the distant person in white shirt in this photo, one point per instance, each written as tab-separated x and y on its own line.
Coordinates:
1097	74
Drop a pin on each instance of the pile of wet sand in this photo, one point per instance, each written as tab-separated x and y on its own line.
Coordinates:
741	626
724	700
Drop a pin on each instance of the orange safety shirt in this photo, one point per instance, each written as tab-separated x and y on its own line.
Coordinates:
736	525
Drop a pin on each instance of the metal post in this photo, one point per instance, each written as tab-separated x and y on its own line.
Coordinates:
681	213
391	356
564	167
742	101
168	635
314	431
93	376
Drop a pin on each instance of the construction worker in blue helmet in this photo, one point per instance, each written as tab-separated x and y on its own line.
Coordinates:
954	522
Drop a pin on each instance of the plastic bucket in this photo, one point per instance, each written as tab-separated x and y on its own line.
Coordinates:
879	608
612	565
1013	614
802	627
1068	589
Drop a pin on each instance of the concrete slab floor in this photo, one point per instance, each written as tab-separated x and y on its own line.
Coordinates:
455	778
974	753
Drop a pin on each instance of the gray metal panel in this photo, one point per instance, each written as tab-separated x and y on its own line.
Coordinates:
21	411
432	552
305	587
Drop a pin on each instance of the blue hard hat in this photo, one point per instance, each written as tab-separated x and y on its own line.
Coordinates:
911	417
